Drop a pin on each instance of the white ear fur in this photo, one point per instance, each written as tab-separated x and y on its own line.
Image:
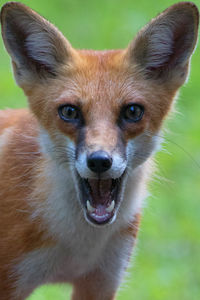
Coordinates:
163	47
36	47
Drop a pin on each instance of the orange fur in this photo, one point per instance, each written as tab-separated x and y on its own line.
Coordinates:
100	84
20	156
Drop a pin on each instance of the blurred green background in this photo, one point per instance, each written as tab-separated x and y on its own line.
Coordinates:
167	264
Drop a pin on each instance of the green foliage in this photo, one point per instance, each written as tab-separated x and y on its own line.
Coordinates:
168	250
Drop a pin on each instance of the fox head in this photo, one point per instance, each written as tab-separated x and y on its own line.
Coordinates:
100	112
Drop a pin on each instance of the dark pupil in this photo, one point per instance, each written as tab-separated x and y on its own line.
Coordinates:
133	112
70	112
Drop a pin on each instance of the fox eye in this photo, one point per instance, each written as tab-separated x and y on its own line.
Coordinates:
133	113
69	113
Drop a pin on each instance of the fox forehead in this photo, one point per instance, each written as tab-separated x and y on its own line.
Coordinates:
99	76
100	83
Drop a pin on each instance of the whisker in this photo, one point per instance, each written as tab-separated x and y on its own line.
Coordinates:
196	163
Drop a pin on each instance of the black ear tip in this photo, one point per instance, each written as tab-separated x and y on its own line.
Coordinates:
187	7
10	7
190	5
195	10
184	4
12	4
6	8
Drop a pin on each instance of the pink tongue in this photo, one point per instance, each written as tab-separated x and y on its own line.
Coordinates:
100	215
100	210
101	191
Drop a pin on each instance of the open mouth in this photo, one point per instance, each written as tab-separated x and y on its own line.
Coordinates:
100	198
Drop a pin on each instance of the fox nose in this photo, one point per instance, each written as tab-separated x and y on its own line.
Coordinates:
99	161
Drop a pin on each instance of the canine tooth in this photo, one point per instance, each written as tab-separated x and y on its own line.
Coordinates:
110	208
90	208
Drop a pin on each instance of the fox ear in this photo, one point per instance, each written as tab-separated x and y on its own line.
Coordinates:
162	49
36	47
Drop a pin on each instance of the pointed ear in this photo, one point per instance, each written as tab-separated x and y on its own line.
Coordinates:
36	47
162	49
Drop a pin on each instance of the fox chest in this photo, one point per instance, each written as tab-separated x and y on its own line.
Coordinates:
61	263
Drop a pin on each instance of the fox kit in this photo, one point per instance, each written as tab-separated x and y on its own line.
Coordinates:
74	166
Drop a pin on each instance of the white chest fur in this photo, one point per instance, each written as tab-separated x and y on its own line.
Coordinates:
79	247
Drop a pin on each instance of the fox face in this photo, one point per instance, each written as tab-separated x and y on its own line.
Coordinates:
100	112
99	131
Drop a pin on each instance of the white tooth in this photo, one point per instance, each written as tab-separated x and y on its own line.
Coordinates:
90	208
110	208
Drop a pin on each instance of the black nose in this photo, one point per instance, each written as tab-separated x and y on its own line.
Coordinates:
99	161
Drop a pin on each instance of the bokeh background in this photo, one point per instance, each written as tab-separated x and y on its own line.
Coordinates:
167	261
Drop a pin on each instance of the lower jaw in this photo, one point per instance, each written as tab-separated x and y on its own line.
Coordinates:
97	218
101	221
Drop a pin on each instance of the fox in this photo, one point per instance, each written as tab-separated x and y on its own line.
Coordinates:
75	164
